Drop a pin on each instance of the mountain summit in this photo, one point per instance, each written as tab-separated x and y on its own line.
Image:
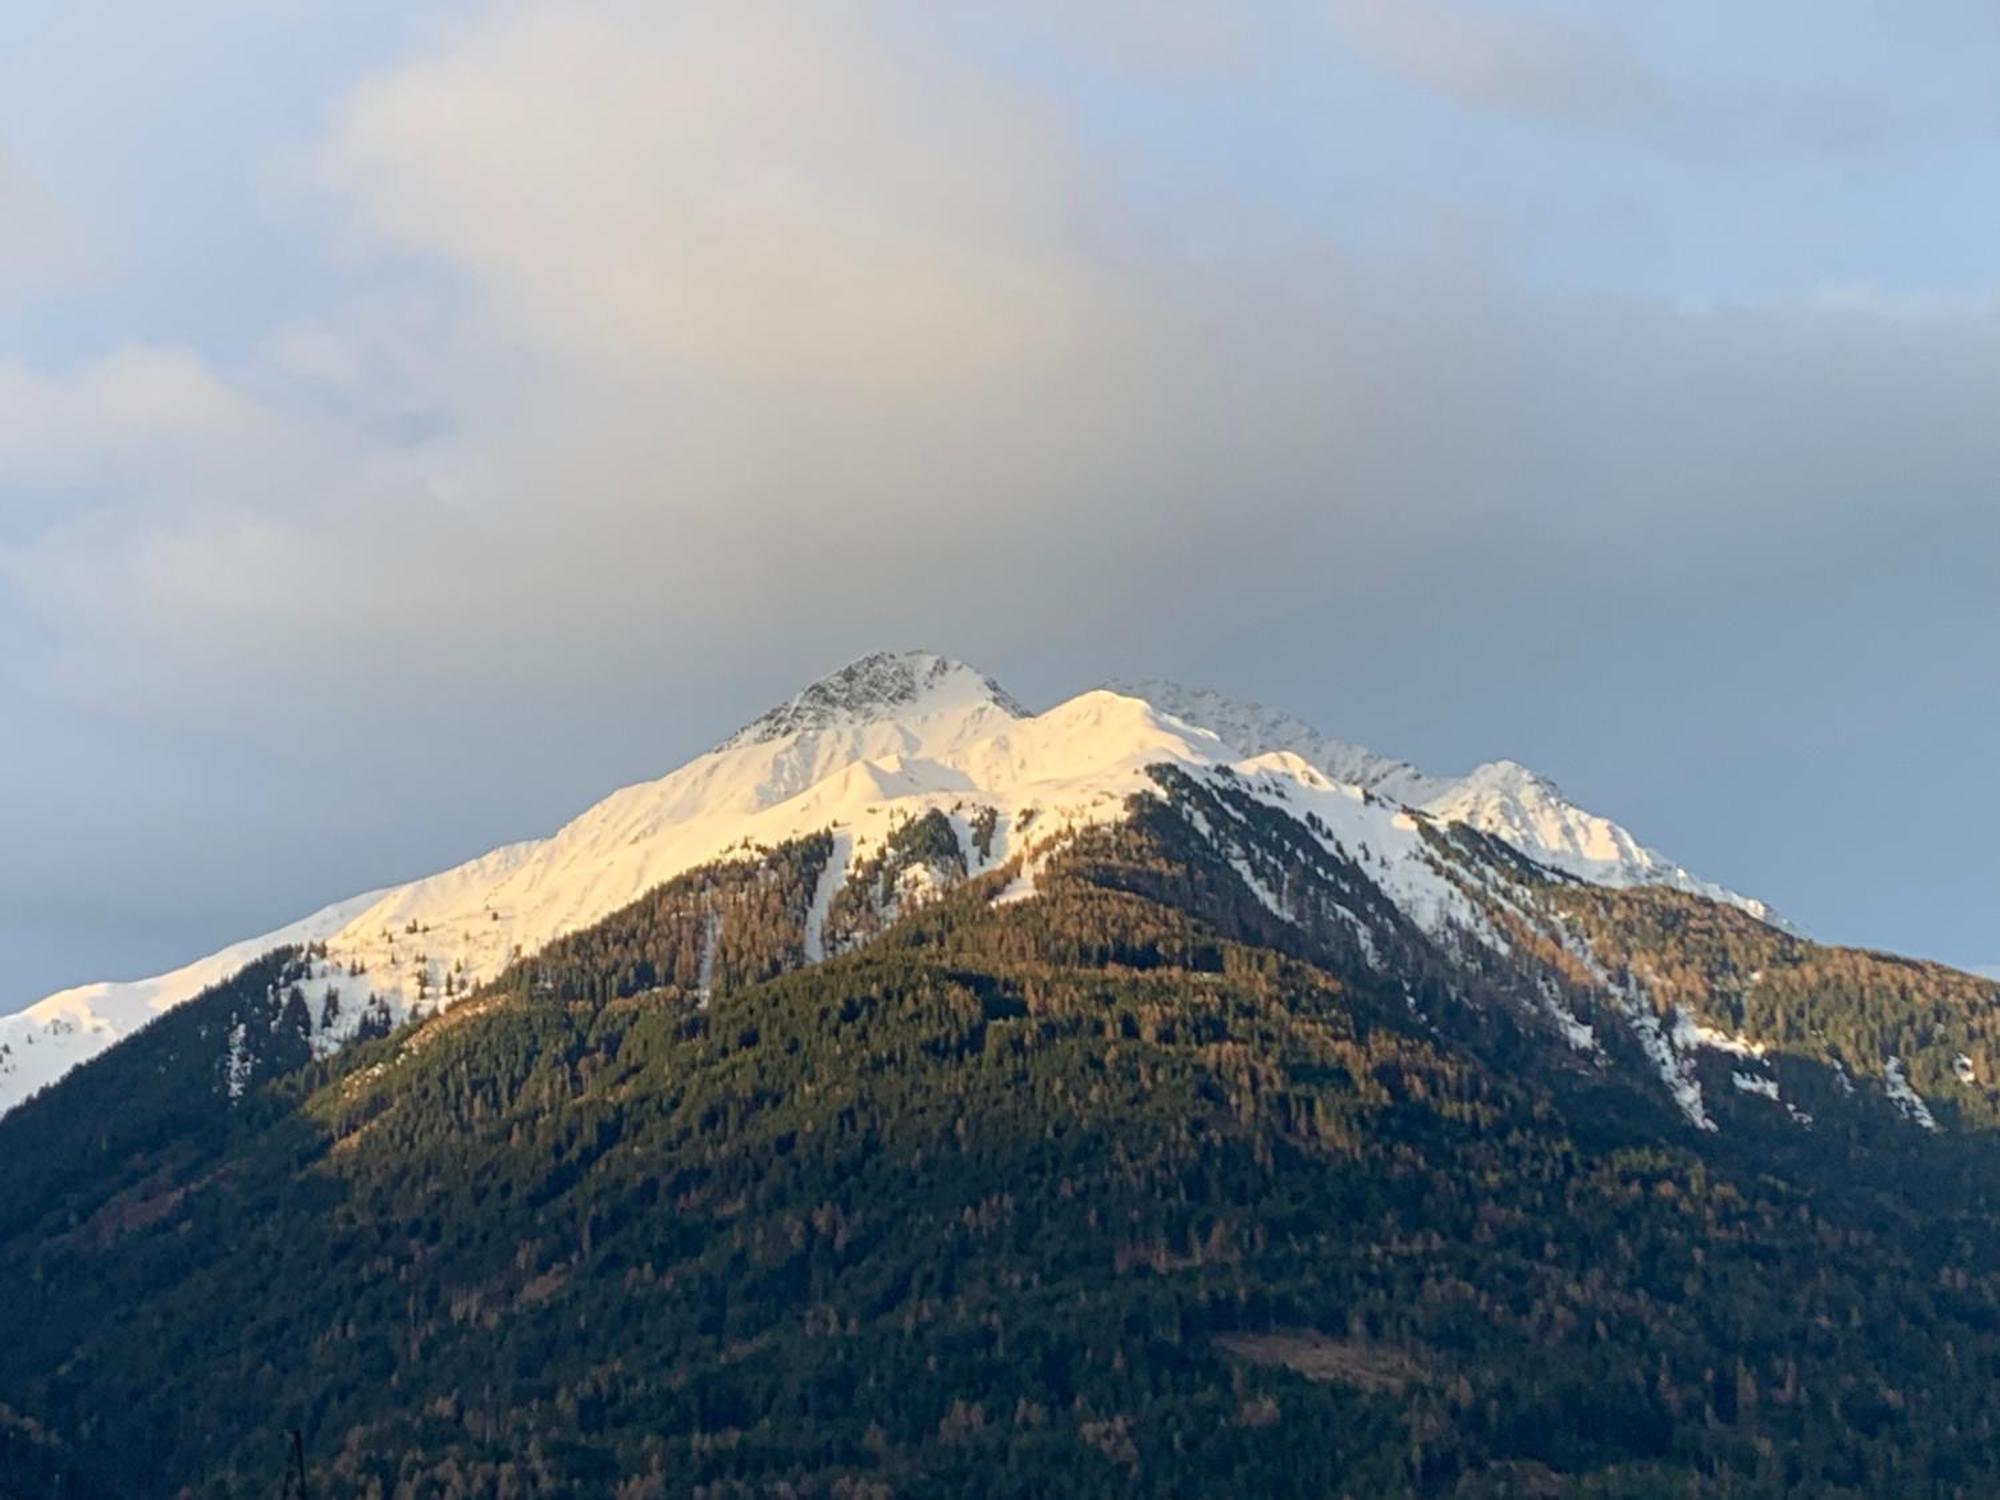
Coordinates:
906	685
883	739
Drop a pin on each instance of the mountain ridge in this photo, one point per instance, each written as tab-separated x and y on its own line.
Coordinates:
888	735
1500	797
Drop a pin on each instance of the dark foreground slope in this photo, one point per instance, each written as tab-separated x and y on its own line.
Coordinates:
1129	1189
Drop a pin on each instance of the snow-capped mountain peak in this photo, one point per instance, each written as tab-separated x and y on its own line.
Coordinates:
883	738
1253	729
1510	801
1502	797
886	739
910	687
1529	811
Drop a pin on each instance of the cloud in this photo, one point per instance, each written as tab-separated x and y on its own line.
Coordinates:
37	243
675	355
750	320
746	189
132	404
1167	39
1512	59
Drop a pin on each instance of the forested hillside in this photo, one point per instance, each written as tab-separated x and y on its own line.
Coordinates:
1137	1187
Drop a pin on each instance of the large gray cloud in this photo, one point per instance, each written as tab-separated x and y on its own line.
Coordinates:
691	351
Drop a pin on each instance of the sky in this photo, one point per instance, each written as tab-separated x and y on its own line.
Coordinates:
419	418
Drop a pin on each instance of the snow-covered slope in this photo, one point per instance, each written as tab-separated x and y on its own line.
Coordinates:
1256	730
883	740
1502	797
43	1042
1511	802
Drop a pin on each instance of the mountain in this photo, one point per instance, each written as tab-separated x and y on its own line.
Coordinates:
1252	729
886	736
1530	812
1502	797
868	733
948	1100
912	689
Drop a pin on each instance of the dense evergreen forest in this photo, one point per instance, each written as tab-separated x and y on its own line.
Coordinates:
1135	1188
